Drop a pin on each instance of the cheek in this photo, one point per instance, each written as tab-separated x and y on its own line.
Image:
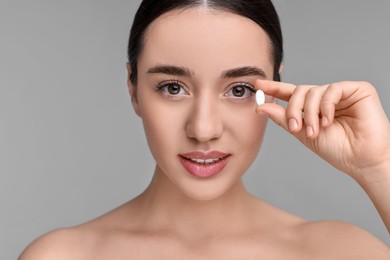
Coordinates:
255	131
246	129
163	125
245	124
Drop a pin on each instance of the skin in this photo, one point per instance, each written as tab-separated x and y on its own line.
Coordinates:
180	216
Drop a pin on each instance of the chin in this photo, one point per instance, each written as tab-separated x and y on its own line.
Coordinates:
200	190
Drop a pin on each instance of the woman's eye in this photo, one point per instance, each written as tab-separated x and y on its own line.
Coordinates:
172	89
241	91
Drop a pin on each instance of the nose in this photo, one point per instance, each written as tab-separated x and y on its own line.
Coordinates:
205	120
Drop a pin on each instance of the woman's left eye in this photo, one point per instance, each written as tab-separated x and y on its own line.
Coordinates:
241	91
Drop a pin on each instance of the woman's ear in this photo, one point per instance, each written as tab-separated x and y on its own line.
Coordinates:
281	68
132	91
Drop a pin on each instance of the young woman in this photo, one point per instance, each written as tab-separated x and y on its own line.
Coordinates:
194	67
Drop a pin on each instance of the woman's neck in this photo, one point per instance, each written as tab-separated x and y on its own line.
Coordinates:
165	207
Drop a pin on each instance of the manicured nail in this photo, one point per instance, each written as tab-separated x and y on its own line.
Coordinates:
309	131
325	121
292	124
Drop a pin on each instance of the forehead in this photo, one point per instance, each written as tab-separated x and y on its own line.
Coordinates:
200	38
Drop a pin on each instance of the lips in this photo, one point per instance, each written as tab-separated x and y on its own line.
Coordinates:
203	164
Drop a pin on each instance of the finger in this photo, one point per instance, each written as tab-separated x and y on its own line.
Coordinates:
312	111
276	112
295	108
340	95
276	89
331	97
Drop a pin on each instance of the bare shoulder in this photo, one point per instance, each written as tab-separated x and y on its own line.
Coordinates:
341	240
58	244
86	241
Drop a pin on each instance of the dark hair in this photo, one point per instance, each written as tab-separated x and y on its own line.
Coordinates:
260	11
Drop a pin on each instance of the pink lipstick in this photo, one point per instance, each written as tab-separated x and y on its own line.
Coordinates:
203	164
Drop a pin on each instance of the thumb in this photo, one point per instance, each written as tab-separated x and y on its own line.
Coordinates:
276	112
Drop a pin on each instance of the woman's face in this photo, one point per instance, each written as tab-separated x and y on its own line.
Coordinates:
195	96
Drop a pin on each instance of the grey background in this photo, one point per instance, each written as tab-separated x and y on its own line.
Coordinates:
71	147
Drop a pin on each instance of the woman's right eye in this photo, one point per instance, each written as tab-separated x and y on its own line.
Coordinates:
172	89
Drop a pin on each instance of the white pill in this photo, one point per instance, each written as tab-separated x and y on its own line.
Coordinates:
260	97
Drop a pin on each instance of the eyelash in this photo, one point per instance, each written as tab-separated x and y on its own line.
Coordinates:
247	86
160	88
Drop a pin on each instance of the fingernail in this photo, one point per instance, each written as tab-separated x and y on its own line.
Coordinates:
325	121
309	131
292	124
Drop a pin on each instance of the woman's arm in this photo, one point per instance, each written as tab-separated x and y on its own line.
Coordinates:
345	124
379	191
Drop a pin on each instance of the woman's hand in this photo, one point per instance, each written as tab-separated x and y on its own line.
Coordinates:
344	123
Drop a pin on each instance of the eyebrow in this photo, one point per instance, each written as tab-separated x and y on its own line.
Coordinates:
171	70
244	71
230	73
